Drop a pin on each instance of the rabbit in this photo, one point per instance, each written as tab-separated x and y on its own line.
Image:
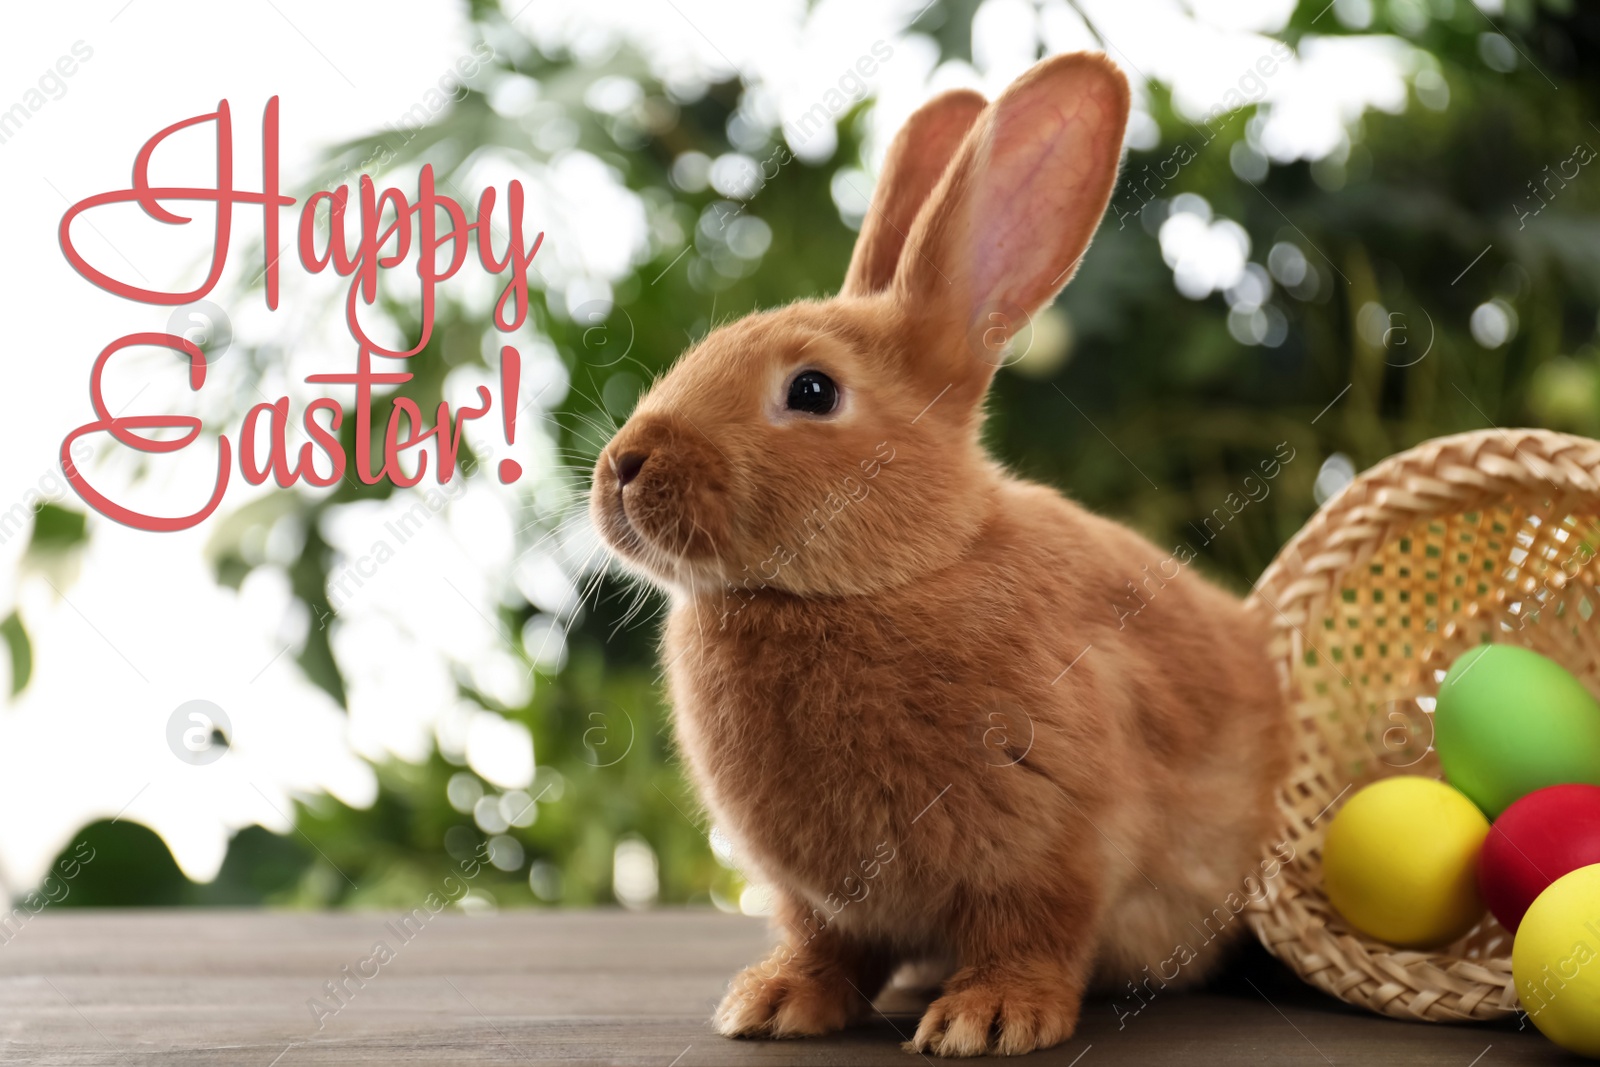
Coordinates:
909	686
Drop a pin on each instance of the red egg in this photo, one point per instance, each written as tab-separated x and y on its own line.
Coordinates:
1548	833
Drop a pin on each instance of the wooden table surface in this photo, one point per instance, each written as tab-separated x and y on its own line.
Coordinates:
217	987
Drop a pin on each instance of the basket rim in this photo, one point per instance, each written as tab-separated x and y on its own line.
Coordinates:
1442	476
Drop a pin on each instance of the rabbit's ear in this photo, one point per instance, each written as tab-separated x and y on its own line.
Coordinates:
919	155
1012	216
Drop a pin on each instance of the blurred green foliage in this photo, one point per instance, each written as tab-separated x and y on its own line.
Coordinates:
1150	409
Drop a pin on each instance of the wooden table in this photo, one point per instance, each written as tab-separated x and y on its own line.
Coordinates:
218	987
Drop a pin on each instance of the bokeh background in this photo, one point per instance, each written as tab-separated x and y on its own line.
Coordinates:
1342	228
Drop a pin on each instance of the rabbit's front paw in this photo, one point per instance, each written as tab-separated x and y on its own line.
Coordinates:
997	1014
784	1004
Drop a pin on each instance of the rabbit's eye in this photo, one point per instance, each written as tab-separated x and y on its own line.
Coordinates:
814	393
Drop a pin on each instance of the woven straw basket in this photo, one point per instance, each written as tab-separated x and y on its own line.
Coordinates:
1488	536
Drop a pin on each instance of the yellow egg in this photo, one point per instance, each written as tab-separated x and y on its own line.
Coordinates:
1556	961
1400	862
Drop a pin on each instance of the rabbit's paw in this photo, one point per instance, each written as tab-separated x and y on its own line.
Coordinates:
787	1004
1004	1016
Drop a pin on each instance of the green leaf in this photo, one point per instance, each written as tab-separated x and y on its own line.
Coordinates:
21	650
56	529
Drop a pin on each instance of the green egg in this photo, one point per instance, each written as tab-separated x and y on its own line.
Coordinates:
1510	721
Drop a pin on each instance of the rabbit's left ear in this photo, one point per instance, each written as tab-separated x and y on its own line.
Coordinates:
916	160
1013	214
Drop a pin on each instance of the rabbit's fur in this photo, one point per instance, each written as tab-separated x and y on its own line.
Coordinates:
907	684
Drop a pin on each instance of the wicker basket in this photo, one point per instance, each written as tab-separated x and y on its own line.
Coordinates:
1488	536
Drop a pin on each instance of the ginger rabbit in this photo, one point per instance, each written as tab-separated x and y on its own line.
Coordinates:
900	677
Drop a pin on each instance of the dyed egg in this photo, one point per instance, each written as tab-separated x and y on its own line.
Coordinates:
1538	839
1555	961
1510	721
1400	862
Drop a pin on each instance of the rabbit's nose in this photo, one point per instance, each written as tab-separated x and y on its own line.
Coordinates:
628	465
